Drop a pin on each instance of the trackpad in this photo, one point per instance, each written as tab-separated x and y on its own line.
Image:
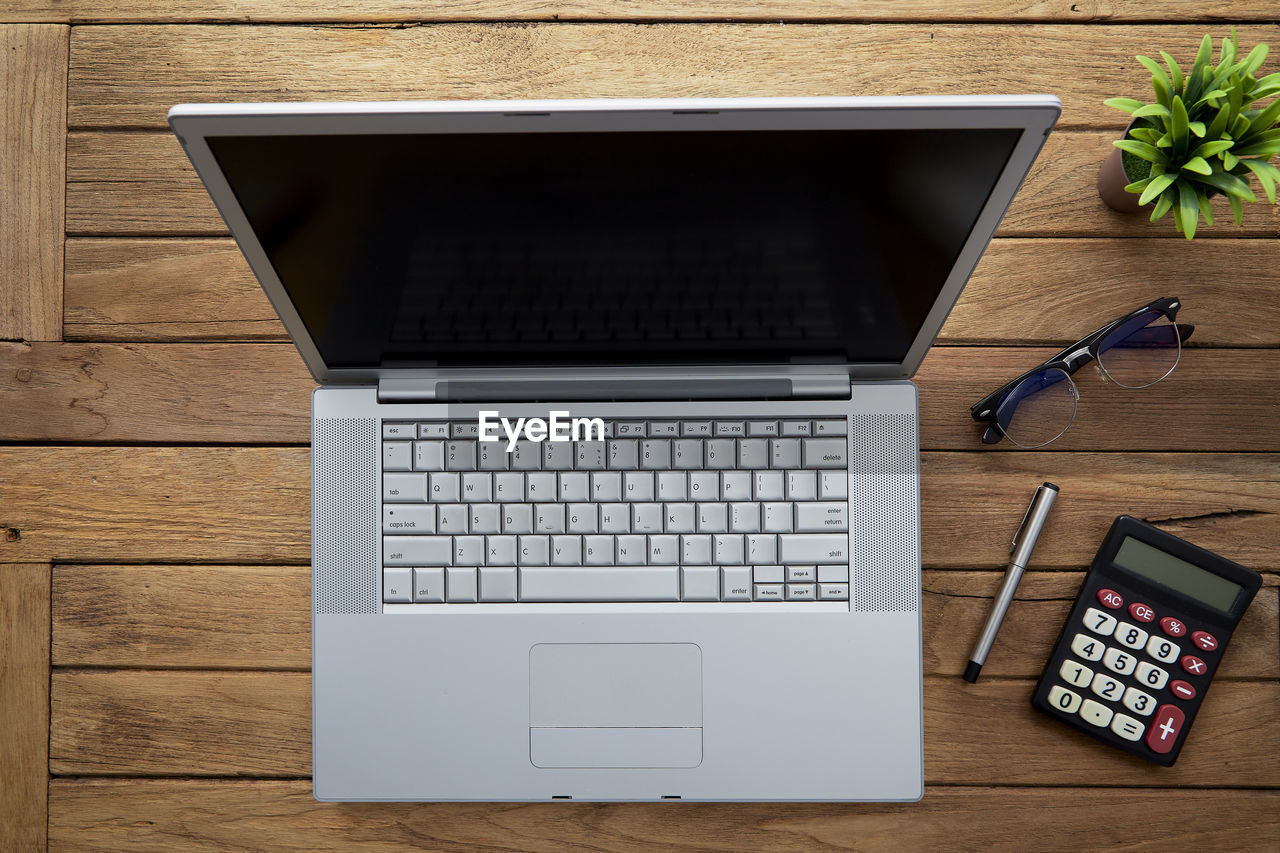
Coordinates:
615	705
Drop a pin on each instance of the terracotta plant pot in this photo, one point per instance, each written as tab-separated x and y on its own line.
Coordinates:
1111	183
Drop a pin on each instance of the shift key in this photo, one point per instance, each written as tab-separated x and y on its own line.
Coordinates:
418	551
814	548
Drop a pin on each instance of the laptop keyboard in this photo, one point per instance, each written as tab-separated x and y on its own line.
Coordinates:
689	510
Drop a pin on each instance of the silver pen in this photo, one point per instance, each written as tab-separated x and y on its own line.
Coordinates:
1024	542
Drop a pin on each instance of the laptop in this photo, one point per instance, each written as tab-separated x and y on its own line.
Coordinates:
615	462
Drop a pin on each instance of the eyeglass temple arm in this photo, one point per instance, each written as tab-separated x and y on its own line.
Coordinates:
1184	331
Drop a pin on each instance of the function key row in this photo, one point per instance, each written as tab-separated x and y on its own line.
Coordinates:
788	428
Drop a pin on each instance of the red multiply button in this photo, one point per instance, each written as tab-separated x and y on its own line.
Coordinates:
1110	599
1164	728
1141	612
1172	627
1206	641
1194	665
1182	690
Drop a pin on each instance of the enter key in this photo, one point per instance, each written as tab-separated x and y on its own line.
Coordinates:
822	517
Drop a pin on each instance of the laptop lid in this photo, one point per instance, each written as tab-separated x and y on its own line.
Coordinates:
709	237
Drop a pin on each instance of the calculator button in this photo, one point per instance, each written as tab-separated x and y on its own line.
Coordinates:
1075	673
1162	649
1131	635
1141	612
1110	599
1164	728
1138	702
1095	712
1121	662
1127	727
1098	622
1089	648
1064	699
1173	627
1107	687
1182	690
1151	675
1204	641
1194	665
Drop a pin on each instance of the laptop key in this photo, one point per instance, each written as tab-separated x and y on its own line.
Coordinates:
428	456
428	585
735	583
397	586
397	456
837	427
460	456
825	453
417	550
700	583
784	453
517	518
404	488
827	516
498	583
814	547
460	584
407	518
444	487
649	583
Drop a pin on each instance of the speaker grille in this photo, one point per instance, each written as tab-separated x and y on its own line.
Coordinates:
884	500
344	516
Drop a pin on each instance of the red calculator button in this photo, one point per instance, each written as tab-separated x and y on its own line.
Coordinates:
1110	599
1164	728
1182	690
1194	665
1206	641
1141	612
1172	627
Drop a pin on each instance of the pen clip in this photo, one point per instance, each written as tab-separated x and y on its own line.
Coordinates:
1022	524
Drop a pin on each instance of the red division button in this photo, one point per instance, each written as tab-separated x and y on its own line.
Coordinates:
1172	627
1182	690
1164	728
1194	665
1110	599
1141	612
1206	641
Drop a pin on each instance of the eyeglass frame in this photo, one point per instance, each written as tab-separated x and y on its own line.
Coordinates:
1070	360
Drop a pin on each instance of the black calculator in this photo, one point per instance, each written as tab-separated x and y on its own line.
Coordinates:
1142	643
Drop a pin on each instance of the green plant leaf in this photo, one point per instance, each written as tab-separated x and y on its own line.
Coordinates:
1196	79
1237	209
1162	206
1175	72
1164	141
1229	160
1152	110
1159	80
1206	209
1196	127
1270	148
1239	127
1226	183
1219	123
1263	121
1143	150
1156	185
1210	149
1228	55
1137	186
1216	93
1266	175
1178	125
1198	165
1254	60
1126	104
1148	135
1188	203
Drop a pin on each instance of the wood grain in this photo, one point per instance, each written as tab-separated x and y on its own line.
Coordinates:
33	101
24	706
251	504
130	75
142	184
181	723
90	815
258	617
233	393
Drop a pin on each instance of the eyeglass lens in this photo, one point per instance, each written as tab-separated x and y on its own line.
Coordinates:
1039	408
1142	351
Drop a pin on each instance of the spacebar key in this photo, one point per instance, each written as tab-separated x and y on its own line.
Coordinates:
653	583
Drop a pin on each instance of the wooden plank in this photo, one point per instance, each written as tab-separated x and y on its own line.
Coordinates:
250	504
401	11
90	815
24	706
198	393
33	100
143	184
207	617
188	723
130	75
1024	290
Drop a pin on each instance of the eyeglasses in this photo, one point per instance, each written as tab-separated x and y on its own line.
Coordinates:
1136	351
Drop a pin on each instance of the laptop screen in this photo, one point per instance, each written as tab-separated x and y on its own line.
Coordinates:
614	248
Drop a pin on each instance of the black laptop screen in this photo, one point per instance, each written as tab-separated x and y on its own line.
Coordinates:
660	247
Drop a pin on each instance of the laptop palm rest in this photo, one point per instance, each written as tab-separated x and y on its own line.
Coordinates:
620	705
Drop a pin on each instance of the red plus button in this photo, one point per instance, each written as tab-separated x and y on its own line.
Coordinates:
1141	612
1172	627
1164	728
1206	641
1182	690
1110	599
1194	665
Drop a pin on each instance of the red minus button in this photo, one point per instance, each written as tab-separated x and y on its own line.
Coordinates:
1164	728
1182	690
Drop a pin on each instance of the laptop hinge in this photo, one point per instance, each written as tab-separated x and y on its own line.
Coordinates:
566	389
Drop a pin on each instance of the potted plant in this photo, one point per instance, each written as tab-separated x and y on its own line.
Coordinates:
1200	138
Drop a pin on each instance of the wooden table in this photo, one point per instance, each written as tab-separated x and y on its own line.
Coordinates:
154	600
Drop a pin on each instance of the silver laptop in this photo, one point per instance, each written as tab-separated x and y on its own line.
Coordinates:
616	486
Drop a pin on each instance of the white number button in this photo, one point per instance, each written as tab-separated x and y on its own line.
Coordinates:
1152	675
1098	622
1163	650
1095	712
1087	647
1138	702
1127	727
1131	635
1121	662
1107	687
1064	699
1075	673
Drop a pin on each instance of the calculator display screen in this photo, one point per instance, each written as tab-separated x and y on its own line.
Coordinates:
1179	575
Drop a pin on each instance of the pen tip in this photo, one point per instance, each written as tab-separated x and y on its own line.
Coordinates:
971	671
